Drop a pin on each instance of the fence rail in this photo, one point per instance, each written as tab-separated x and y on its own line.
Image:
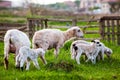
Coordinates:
110	28
40	23
6	26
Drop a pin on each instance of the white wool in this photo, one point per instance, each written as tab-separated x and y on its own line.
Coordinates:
25	53
14	39
54	38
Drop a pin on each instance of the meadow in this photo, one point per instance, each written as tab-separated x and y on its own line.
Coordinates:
63	67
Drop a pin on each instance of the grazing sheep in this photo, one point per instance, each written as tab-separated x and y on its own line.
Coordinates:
13	40
101	51
54	38
88	49
26	54
108	52
77	42
104	50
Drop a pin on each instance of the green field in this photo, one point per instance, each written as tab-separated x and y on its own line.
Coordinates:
64	68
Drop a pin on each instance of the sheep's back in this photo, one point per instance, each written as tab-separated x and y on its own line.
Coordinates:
51	36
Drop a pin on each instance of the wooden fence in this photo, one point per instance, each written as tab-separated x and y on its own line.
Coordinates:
40	23
110	28
6	26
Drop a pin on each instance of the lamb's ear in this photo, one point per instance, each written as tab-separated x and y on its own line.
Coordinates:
93	41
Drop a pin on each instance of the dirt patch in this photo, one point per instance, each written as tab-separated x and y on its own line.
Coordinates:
62	65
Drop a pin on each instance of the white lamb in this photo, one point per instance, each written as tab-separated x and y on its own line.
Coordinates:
13	40
54	38
101	51
104	50
81	48
26	54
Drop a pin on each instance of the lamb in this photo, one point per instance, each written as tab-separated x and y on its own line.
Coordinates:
106	51
89	50
101	51
72	51
13	40
26	54
54	38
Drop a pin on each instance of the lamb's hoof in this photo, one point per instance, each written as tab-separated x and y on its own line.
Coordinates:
78	63
17	67
21	68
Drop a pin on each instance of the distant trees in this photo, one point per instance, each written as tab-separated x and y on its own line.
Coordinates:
77	2
115	7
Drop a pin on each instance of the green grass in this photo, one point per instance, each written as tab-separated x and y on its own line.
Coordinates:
13	20
63	68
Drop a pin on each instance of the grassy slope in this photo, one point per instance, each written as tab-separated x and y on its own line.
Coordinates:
107	69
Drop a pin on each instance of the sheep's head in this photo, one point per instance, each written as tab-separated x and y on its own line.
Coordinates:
77	32
97	42
108	52
40	51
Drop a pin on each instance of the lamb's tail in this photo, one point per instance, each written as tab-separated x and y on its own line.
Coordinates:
18	59
74	49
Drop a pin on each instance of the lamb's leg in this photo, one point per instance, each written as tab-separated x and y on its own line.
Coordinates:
56	51
88	56
27	65
43	59
35	62
6	62
17	58
93	59
95	56
98	57
22	63
6	55
17	62
102	55
78	57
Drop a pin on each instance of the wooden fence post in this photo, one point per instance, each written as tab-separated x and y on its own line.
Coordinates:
74	22
37	26
110	28
102	29
42	23
118	32
30	26
113	31
46	25
108	31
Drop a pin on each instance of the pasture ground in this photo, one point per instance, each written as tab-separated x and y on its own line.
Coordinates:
63	68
